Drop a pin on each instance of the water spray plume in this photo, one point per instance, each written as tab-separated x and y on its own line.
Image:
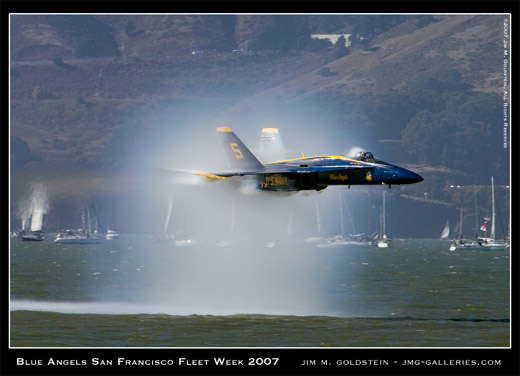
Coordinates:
34	207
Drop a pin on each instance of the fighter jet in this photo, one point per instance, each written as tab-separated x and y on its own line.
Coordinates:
307	173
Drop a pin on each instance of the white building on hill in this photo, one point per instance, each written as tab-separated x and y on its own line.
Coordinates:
333	38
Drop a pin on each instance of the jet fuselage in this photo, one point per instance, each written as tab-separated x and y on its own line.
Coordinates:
309	173
316	173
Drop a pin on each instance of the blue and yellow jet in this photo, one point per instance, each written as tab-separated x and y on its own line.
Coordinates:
308	173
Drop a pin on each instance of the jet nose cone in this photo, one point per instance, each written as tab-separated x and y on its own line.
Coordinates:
411	177
404	176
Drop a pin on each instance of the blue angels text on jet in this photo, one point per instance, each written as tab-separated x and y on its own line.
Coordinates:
308	173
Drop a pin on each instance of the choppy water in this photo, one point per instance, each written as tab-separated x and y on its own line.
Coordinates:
134	293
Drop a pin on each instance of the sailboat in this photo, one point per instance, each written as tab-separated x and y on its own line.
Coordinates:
165	237
340	239
35	233
483	243
384	241
462	243
83	236
446	231
459	241
112	233
490	242
186	240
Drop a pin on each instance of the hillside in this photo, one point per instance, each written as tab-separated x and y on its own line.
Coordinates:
103	92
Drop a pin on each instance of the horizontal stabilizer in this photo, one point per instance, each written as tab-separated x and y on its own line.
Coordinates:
210	176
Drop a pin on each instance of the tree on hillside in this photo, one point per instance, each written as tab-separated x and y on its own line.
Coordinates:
340	47
465	135
276	33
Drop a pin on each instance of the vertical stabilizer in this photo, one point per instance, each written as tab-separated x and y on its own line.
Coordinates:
271	146
240	157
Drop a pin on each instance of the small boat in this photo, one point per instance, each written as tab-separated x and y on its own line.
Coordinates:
83	236
480	244
187	242
384	242
112	233
356	239
78	237
33	236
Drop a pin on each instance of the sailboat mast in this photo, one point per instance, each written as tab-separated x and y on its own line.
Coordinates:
167	223
460	223
492	235
476	215
383	222
88	219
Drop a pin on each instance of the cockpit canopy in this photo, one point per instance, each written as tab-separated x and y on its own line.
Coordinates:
365	156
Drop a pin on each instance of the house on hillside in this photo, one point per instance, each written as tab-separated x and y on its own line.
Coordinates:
333	38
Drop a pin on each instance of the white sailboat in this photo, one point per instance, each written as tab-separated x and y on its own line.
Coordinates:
35	232
490	242
83	236
342	240
112	233
459	241
33	210
483	243
446	231
462	243
187	240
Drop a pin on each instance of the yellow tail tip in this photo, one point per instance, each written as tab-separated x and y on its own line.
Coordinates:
270	130
223	129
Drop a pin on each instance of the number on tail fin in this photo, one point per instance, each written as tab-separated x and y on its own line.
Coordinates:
236	150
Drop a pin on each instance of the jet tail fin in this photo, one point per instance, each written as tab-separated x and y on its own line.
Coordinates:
271	146
240	157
